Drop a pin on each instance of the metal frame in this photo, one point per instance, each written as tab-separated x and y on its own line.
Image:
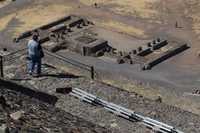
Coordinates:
124	112
1	67
73	62
16	54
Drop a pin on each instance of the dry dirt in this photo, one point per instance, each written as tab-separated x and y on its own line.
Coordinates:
4	3
139	8
54	78
136	18
130	23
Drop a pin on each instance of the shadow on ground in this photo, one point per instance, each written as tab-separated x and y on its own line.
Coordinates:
60	75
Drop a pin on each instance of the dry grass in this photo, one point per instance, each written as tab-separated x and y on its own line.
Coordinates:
34	17
132	87
37	16
151	93
4	3
141	8
91	2
196	23
123	28
192	11
5	20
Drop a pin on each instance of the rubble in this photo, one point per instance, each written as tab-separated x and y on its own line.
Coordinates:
65	90
145	55
51	85
35	116
77	34
153	109
71	32
17	115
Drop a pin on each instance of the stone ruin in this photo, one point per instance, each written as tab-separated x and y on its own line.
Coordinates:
71	32
76	34
146	55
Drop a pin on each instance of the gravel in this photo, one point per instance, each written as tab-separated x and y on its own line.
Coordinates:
39	117
183	120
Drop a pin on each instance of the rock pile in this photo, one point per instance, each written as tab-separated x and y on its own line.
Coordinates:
28	115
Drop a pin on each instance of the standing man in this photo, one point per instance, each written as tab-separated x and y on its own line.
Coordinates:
35	55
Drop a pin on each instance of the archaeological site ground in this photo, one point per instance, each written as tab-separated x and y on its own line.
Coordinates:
109	66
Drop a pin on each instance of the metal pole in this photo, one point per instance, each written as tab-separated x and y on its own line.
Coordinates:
1	67
92	72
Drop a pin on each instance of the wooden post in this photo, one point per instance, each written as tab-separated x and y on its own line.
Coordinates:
92	72
1	67
176	24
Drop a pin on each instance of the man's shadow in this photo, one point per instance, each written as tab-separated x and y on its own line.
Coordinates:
48	74
60	75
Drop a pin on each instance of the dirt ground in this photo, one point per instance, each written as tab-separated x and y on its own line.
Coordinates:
53	78
125	24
